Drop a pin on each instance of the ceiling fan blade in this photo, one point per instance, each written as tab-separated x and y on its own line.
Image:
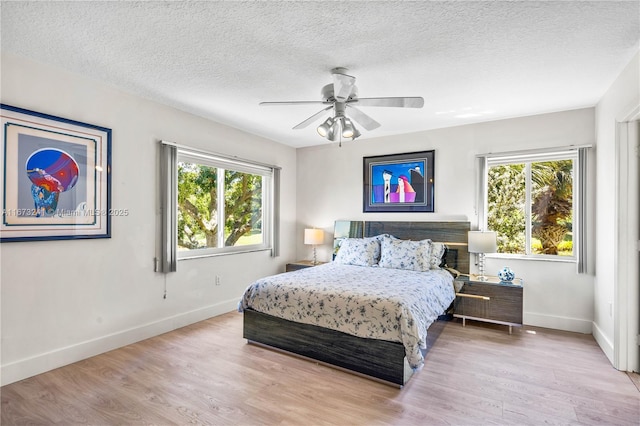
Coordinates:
292	103
342	86
306	122
410	102
363	119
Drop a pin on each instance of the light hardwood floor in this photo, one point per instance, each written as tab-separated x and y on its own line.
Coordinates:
207	374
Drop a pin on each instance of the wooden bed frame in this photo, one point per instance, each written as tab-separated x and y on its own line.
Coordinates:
378	359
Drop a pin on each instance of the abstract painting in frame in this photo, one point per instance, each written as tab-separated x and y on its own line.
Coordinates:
399	182
55	182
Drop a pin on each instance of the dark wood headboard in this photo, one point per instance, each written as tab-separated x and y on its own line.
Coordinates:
453	234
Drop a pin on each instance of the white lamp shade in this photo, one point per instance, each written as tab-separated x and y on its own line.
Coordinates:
313	236
482	242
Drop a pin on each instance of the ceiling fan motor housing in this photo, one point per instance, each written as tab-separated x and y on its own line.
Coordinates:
329	97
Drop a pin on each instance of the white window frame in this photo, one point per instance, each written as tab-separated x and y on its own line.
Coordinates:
575	153
172	154
221	165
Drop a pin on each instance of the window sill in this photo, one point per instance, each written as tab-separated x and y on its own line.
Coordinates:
542	258
223	253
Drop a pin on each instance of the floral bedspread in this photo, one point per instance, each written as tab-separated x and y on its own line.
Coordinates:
372	302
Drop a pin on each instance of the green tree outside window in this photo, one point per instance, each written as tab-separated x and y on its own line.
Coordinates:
549	186
198	209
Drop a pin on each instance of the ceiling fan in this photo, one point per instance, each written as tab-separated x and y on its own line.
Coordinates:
342	97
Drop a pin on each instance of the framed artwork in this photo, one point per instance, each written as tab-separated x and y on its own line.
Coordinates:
399	182
55	182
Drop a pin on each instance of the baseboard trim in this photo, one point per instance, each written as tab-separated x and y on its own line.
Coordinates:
24	368
605	344
576	325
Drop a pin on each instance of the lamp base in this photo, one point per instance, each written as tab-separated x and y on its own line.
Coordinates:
481	276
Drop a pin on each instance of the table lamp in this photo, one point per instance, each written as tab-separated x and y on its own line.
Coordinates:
482	242
314	237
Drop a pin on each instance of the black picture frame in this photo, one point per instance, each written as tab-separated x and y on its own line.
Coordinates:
399	182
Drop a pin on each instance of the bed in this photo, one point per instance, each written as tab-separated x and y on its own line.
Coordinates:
367	312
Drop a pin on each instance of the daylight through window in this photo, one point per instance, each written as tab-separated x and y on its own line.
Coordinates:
212	204
531	203
223	206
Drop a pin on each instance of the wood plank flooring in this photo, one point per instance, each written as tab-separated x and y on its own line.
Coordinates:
207	374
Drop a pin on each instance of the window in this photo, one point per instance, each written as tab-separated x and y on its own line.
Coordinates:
533	203
216	205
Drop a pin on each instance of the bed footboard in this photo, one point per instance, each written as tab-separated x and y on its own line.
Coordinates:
379	359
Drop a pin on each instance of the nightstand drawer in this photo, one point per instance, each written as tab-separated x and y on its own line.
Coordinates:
490	301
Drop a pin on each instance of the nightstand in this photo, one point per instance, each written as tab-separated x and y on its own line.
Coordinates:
301	264
492	300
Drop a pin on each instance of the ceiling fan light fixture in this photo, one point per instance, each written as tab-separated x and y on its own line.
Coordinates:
334	131
356	133
324	128
348	129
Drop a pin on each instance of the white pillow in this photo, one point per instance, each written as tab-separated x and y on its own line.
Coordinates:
405	254
437	251
358	251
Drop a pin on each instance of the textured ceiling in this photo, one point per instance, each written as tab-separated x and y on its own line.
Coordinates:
471	61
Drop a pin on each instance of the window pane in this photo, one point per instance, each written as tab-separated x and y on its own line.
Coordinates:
506	206
243	209
197	206
552	207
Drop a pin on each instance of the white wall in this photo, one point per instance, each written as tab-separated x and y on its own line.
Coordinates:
330	188
62	301
621	98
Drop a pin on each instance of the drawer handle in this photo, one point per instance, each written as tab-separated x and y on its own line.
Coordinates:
473	296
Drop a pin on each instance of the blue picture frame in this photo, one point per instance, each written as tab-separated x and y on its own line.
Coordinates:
399	182
55	182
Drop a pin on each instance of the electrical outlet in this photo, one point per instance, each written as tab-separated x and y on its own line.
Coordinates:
217	279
